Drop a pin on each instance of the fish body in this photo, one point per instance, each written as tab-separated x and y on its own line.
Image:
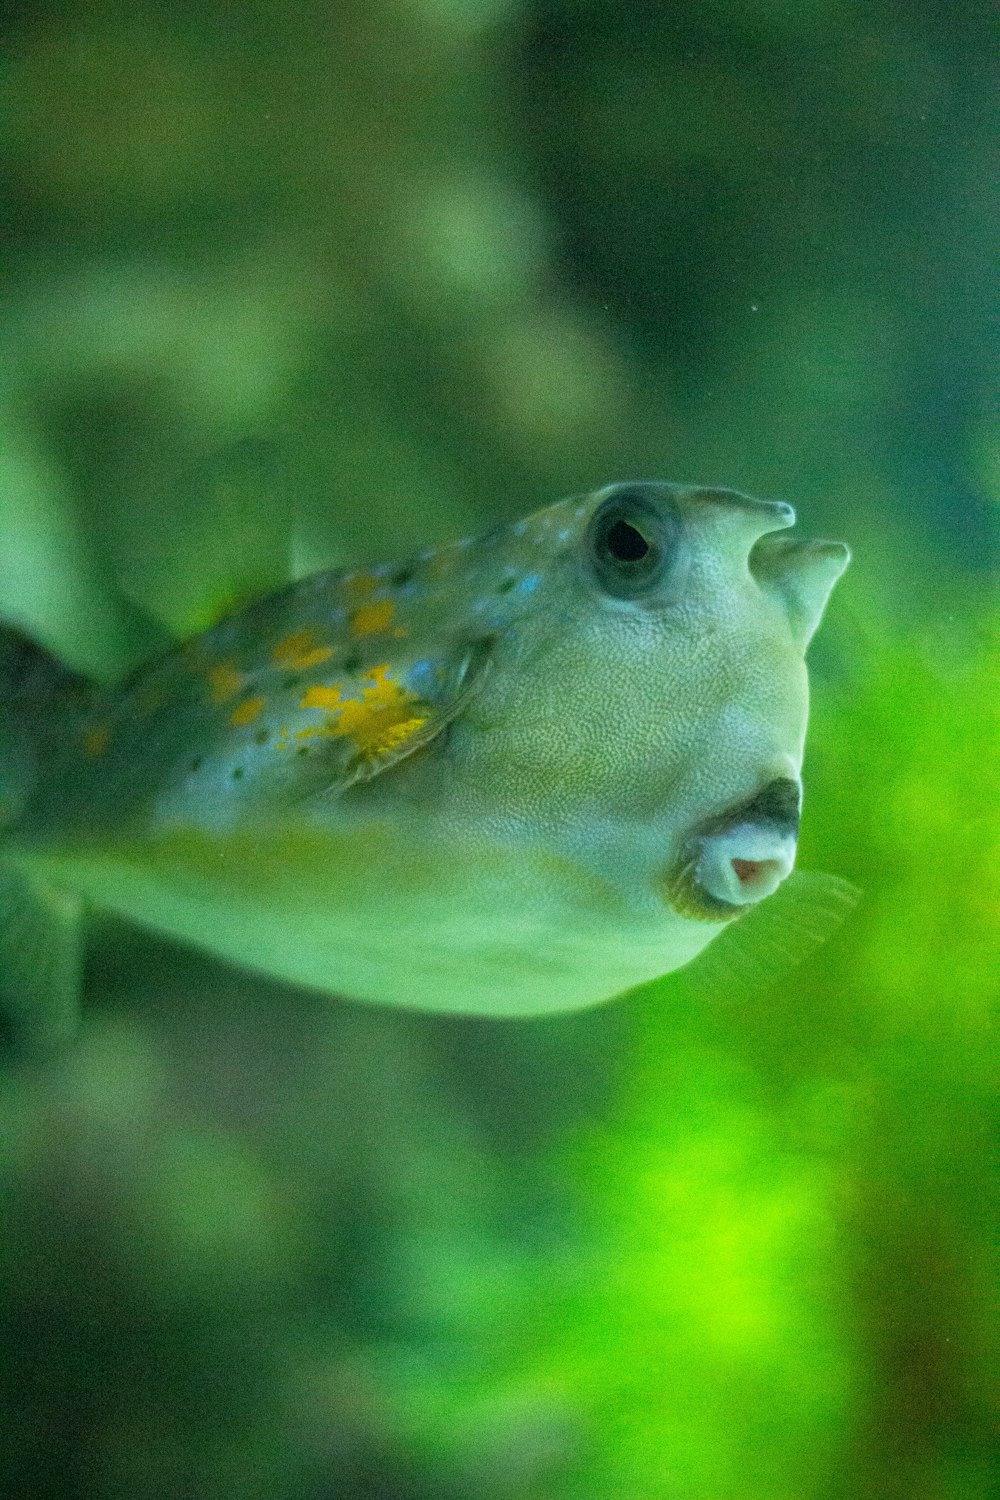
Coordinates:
516	774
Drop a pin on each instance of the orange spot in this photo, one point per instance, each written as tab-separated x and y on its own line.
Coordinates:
323	697
97	739
378	722
246	712
394	735
224	682
300	650
372	618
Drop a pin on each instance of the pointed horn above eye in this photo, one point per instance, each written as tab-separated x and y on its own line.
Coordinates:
800	575
743	515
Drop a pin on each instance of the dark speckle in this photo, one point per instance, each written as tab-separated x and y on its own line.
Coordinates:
352	661
291	682
239	772
262	736
302	750
197	763
403	576
506	584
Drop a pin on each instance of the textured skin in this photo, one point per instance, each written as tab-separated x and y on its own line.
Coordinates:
465	781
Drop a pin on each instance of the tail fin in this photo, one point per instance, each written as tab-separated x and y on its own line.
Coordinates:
39	925
40	960
37	696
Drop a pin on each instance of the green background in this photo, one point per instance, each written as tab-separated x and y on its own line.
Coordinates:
292	284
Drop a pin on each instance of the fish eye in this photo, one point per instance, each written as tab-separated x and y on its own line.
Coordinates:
630	543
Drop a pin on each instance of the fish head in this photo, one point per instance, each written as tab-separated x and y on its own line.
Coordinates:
646	705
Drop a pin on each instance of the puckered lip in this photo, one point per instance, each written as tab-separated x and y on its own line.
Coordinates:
735	859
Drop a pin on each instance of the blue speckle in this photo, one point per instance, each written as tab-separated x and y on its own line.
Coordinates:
422	677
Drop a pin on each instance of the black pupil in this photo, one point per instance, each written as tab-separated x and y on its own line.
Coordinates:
625	544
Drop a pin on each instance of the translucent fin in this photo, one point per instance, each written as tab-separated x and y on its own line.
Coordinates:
776	936
40	959
217	534
51	579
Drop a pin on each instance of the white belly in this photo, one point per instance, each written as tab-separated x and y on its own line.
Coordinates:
485	930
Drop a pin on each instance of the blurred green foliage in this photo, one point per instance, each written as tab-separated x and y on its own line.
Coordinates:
294	283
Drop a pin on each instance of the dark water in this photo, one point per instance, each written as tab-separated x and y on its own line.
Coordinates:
300	284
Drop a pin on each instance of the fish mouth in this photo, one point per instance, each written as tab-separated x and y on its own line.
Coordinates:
739	857
742	866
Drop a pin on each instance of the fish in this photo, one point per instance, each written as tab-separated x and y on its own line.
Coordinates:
514	775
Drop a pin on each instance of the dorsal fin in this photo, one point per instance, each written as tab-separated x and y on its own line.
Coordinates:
52	582
215	538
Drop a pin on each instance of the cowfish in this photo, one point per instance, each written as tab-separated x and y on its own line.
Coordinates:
514	775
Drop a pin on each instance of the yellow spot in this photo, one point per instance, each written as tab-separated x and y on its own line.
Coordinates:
323	697
224	682
97	739
395	735
372	618
378	722
246	712
300	650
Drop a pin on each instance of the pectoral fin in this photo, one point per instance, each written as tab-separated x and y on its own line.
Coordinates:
392	715
775	936
40	959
